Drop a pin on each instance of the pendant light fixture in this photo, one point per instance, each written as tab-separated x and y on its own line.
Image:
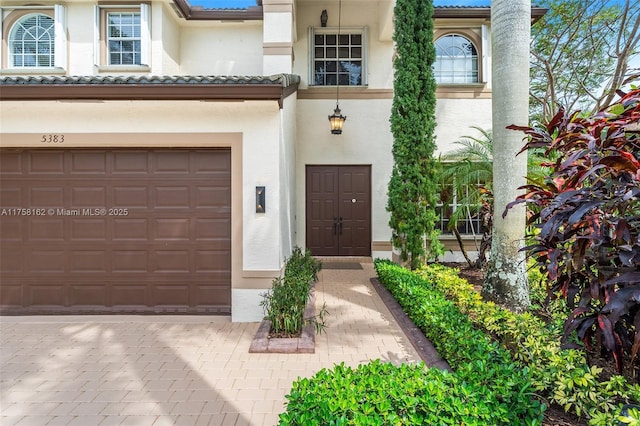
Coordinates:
336	119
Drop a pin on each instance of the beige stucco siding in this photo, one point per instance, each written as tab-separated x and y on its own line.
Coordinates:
251	129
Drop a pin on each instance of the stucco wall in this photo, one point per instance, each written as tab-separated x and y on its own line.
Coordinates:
366	140
251	129
221	49
455	118
356	14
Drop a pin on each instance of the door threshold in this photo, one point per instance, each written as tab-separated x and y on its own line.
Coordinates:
345	259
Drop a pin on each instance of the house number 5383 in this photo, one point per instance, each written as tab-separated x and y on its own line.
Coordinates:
52	138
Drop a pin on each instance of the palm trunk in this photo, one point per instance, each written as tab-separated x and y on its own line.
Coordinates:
506	279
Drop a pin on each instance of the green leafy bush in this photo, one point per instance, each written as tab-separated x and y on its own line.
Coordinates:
285	303
380	393
486	388
470	352
563	377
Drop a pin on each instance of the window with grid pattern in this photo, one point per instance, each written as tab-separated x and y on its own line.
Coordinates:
32	42
338	59
124	38
456	60
455	199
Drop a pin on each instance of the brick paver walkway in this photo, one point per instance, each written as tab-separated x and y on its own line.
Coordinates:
177	370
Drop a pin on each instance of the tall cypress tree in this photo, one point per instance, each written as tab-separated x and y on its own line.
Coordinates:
412	190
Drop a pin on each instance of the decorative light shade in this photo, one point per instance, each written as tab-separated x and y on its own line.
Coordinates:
337	121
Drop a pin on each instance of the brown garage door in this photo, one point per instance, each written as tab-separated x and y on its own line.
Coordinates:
115	231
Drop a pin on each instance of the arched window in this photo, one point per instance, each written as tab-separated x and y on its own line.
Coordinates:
32	42
456	60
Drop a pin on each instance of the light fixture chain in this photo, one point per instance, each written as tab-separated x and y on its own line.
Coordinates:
338	53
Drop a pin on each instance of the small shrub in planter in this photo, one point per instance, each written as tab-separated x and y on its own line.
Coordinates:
285	303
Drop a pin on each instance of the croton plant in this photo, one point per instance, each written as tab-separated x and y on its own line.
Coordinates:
585	221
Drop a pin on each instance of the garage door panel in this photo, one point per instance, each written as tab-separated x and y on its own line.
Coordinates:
130	229
212	196
170	251
171	162
130	197
211	229
213	295
11	259
46	228
88	261
172	261
213	261
46	261
83	229
171	295
10	198
46	162
46	197
172	229
90	196
88	163
130	162
10	230
11	163
171	197
130	261
86	295
47	295
11	295
127	294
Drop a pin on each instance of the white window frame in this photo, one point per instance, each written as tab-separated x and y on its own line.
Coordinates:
100	35
478	60
363	31
469	223
59	29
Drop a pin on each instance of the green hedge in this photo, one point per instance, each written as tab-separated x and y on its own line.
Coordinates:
563	377
487	388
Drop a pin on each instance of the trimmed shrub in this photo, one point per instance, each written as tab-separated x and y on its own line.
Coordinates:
487	388
563	377
380	393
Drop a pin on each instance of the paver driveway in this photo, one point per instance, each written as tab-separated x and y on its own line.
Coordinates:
180	370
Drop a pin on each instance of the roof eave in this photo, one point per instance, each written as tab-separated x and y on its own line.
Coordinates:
479	13
146	92
253	13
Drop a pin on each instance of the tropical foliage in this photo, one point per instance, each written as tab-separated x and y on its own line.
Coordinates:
559	377
586	215
581	51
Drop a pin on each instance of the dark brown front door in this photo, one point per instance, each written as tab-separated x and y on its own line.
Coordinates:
339	210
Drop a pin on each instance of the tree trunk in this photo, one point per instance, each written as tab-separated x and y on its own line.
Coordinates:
506	279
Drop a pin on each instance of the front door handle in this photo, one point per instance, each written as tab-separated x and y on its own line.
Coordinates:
340	225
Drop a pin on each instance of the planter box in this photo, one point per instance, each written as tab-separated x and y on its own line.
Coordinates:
305	344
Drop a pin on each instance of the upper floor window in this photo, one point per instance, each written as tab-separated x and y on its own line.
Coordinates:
337	59
122	35
456	60
32	42
123	38
34	37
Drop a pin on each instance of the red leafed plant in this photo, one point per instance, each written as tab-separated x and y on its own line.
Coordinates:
585	217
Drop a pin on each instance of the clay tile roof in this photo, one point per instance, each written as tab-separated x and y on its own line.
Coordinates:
272	87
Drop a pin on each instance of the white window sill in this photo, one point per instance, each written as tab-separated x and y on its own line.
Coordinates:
41	71
123	68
